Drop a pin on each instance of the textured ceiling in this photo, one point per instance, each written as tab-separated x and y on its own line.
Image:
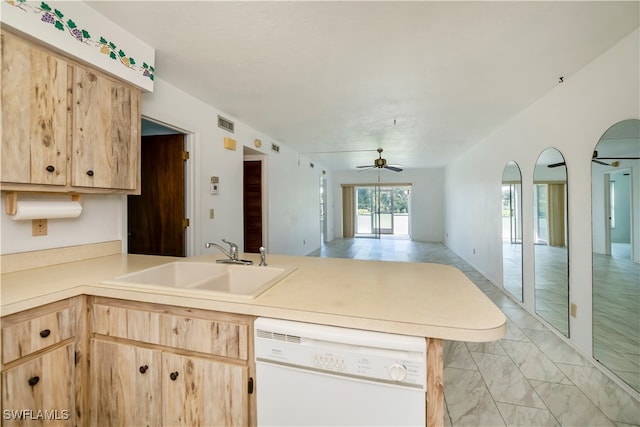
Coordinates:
421	79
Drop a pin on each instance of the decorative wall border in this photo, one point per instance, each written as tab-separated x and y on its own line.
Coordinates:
58	20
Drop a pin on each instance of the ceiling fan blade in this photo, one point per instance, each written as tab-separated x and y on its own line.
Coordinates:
367	166
555	165
393	168
595	156
339	151
599	162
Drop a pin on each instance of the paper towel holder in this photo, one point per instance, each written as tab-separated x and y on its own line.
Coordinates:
11	201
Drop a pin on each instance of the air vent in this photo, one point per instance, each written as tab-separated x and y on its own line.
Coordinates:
275	147
261	333
225	124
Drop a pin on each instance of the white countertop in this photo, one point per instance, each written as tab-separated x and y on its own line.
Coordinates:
420	299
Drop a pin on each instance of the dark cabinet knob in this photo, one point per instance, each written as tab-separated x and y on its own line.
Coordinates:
143	369
90	172
51	168
45	333
33	381
173	375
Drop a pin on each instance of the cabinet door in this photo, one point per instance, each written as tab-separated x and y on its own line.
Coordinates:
34	114
203	392
125	385
106	138
41	389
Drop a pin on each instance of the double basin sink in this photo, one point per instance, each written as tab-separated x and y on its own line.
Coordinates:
243	281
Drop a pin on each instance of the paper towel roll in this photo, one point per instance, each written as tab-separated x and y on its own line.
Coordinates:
46	209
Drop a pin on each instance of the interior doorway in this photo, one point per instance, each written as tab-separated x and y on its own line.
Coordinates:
323	209
156	219
254	201
618	206
252	205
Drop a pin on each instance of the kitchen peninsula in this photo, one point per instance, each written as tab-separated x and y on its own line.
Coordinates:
434	301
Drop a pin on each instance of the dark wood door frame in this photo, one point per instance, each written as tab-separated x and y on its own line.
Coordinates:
253	205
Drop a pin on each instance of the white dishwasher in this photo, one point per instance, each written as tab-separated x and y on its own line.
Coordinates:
317	375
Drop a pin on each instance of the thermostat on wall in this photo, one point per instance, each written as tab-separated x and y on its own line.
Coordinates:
213	188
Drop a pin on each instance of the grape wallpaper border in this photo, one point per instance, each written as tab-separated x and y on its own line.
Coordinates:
59	21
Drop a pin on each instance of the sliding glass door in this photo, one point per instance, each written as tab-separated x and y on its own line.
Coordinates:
382	210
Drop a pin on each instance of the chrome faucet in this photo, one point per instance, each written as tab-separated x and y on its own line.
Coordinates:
232	253
263	257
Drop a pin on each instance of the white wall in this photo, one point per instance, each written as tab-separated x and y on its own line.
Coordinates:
294	203
427	198
571	118
100	221
293	186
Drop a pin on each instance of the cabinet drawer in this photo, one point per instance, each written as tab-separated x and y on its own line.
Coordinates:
213	333
33	330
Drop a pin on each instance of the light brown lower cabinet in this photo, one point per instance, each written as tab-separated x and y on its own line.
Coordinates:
203	392
41	391
93	361
132	385
41	381
161	365
125	384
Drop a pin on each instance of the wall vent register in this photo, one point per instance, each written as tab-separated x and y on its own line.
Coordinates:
225	124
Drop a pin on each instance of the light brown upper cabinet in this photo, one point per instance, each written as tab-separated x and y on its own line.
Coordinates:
34	114
105	137
66	127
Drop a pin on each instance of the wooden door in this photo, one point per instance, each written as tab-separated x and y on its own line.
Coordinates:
125	385
156	216
34	114
106	123
252	205
44	383
200	392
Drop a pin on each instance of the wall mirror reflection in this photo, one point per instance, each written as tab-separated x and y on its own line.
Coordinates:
512	229
551	253
615	205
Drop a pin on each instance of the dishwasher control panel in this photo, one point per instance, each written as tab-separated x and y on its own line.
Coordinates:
356	354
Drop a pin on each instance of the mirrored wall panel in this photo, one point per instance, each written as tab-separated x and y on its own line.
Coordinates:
551	234
512	229
615	205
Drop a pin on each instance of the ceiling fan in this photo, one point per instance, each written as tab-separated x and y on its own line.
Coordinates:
599	160
381	163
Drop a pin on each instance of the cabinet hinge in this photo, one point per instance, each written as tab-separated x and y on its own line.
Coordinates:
185	155
250	387
185	223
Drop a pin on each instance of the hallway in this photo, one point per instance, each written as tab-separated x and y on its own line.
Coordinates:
531	377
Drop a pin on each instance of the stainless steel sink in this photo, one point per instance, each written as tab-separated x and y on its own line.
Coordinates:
245	281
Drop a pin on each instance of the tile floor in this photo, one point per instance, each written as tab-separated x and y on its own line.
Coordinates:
531	377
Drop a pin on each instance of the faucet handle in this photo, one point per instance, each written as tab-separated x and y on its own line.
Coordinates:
231	244
233	249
